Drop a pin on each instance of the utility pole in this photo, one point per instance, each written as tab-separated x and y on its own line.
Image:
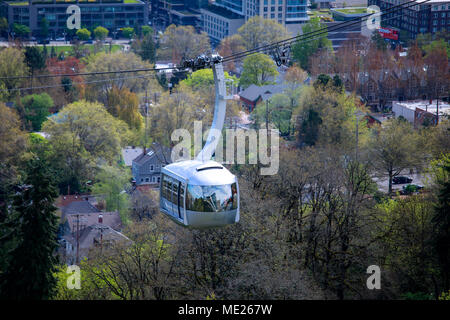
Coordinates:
437	110
78	239
357	136
146	114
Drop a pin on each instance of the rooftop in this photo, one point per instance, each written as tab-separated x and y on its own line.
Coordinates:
253	92
25	3
444	107
77	207
129	154
223	12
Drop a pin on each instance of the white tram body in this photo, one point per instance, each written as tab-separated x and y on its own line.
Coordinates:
191	196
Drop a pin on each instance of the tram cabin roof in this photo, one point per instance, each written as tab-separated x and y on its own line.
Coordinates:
195	172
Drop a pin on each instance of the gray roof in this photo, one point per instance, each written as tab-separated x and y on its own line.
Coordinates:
110	219
129	154
162	153
99	232
77	207
253	92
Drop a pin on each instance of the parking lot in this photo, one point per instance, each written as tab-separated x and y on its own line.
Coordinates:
383	182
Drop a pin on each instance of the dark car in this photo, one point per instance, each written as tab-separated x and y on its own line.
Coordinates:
401	180
411	189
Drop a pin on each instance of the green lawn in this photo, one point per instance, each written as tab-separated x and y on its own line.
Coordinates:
68	49
18	3
352	10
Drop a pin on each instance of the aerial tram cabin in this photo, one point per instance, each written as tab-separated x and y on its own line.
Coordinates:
199	194
202	193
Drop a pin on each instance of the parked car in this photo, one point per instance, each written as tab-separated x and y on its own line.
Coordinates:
410	189
401	180
88	42
60	39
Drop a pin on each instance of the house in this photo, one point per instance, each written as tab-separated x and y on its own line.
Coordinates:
421	112
254	94
146	168
79	215
76	246
129	154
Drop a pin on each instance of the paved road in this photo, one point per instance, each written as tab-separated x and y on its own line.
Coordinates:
383	183
57	43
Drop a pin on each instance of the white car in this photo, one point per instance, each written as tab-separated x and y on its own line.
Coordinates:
60	39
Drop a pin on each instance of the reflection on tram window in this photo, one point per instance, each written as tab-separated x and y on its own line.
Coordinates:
211	198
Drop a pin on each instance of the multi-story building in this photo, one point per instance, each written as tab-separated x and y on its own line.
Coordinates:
430	17
111	14
290	13
219	23
178	12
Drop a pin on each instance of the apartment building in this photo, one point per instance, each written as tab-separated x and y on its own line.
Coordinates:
111	14
430	17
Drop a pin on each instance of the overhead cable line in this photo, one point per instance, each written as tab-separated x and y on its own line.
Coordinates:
322	31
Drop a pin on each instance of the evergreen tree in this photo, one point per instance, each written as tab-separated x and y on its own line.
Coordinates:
33	227
53	52
45	52
441	222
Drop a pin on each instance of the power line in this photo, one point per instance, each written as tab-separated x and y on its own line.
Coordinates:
325	34
318	32
80	82
86	73
242	54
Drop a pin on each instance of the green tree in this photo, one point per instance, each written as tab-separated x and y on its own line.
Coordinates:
100	33
181	42
98	91
395	148
29	274
21	30
3	26
257	32
82	135
147	30
113	182
12	64
53	52
145	47
441	218
327	117
303	50
37	109
277	110
83	34
125	105
406	229
44	28
128	32
258	69
34	58
13	142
